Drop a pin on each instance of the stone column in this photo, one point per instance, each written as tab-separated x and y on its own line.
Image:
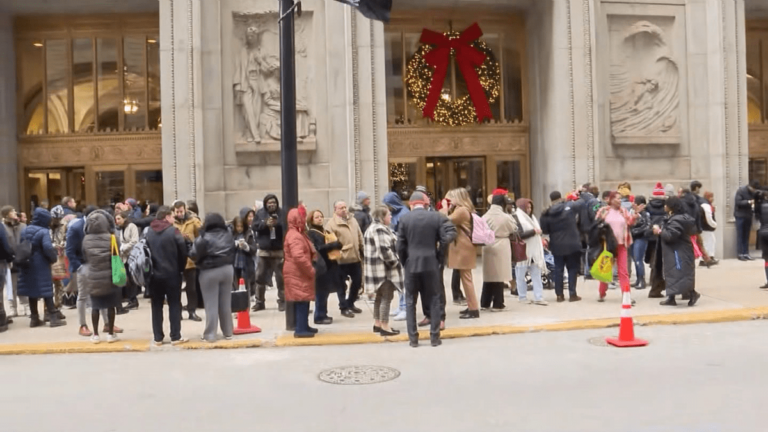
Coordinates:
9	177
371	108
180	55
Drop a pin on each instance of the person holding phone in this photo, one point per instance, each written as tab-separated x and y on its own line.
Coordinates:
270	228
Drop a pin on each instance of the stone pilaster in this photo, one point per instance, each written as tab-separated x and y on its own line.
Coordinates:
9	176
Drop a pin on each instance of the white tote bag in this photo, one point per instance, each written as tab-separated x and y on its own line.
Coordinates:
8	285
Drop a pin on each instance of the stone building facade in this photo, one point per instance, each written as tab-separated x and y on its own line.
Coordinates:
599	91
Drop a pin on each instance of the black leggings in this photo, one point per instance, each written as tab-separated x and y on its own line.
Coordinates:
95	314
47	301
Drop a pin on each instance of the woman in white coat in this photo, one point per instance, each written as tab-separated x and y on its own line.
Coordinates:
709	225
530	231
497	258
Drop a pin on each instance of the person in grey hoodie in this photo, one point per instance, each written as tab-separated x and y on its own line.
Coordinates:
362	211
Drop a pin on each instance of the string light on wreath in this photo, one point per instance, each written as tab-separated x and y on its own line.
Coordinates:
449	111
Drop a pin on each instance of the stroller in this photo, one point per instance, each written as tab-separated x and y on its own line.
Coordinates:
546	280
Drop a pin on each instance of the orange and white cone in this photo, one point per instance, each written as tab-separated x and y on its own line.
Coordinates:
244	318
627	327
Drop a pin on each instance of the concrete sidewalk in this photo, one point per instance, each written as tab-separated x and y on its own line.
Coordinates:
729	293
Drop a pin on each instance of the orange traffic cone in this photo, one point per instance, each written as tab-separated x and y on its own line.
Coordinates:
627	328
244	318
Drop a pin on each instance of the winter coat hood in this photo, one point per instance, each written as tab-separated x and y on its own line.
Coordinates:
159	226
269	197
99	222
295	221
41	217
656	206
524	204
393	201
556	209
244	214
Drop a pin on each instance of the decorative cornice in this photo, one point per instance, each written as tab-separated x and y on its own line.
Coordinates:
571	92
589	90
71	151
470	141
356	103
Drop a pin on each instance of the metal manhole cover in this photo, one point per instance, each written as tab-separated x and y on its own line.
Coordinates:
598	341
358	375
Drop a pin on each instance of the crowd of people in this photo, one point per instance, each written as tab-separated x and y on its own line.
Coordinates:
66	258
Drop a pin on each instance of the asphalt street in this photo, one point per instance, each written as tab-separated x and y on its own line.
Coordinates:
690	378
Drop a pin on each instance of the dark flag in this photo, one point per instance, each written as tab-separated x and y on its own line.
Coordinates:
372	9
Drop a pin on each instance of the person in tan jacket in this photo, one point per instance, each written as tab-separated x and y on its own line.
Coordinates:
189	225
462	255
350	236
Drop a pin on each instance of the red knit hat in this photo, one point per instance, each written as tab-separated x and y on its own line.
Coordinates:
658	191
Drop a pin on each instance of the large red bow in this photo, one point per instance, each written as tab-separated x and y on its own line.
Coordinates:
467	58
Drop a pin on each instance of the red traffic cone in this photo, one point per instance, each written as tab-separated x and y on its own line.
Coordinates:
244	318
627	327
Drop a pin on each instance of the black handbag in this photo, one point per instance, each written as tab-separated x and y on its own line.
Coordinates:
320	267
239	301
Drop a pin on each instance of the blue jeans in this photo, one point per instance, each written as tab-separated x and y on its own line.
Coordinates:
301	309
522	286
743	227
638	254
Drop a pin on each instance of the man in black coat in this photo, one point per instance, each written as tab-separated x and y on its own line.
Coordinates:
743	211
561	222
422	236
270	227
169	258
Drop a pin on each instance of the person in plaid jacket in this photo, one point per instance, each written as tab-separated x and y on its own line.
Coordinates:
383	271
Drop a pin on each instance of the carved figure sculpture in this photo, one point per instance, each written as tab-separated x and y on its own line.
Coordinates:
248	84
644	85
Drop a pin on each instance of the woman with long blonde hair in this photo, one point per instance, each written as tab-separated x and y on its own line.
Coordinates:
462	255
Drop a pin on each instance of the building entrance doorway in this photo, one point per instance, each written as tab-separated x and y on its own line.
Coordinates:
47	187
445	173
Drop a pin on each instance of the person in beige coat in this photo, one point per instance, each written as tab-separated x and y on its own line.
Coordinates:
188	224
348	233
462	255
497	258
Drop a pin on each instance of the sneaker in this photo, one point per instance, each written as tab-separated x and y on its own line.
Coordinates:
112	338
258	307
400	316
613	286
157	344
84	331
13	311
501	309
524	300
228	337
574	298
179	341
396	312
540	302
95	339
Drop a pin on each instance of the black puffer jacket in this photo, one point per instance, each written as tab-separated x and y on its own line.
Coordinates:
674	257
561	223
169	252
331	278
215	247
97	244
693	209
262	231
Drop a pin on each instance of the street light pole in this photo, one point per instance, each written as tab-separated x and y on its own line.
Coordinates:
288	155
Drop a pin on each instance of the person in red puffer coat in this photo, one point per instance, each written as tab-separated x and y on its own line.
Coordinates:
299	272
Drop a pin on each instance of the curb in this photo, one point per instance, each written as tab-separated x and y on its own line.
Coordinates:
325	339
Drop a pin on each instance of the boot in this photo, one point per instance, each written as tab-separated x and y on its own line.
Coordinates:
640	284
472	314
694	298
3	322
193	316
670	301
35	321
56	321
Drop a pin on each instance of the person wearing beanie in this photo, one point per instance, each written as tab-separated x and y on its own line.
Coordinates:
669	190
422	239
497	258
362	211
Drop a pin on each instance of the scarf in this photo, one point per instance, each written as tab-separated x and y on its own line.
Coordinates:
533	247
239	253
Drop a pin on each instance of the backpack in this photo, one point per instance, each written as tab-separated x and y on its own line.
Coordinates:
482	235
23	251
140	262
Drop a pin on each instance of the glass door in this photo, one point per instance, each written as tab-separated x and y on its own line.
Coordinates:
444	174
47	187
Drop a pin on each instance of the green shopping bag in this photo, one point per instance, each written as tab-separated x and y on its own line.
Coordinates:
602	269
119	278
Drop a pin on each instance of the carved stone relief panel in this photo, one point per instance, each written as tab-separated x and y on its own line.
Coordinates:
83	150
644	81
408	141
256	82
